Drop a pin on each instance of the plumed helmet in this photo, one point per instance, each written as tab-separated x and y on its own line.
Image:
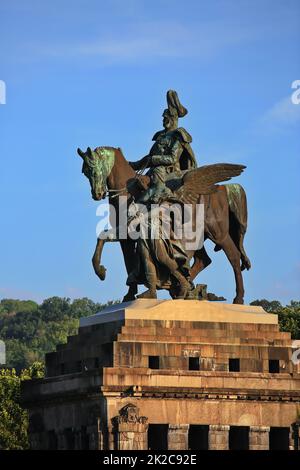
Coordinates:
175	108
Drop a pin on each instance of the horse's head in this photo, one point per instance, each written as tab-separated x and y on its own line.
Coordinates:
97	165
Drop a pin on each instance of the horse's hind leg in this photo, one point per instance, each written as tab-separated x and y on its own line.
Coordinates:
246	263
237	231
234	257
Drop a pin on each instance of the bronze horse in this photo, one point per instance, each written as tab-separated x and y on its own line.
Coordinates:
225	219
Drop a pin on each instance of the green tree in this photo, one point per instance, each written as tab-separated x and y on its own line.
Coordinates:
14	306
271	306
35	371
15	353
288	316
31	330
55	308
289	320
13	418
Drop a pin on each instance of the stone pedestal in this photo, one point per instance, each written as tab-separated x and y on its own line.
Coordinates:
61	441
77	439
295	436
259	438
178	436
111	439
130	429
170	364
132	437
35	441
218	437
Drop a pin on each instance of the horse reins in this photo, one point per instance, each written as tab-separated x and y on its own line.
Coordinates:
118	192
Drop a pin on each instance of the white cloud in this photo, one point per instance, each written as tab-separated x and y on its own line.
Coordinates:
282	116
148	40
123	31
283	112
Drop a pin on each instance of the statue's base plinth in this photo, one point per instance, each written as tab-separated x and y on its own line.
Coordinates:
181	310
171	373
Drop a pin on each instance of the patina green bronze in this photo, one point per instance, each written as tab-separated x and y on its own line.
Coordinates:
173	177
97	166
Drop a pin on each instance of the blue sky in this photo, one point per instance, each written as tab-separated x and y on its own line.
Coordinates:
92	73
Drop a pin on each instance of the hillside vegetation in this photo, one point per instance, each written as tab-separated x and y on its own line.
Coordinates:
29	330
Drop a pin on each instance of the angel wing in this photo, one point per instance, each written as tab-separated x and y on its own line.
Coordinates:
203	180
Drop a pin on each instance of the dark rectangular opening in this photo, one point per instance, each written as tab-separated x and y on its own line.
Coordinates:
239	438
158	436
198	437
96	362
62	369
153	362
279	438
296	430
234	365
70	439
78	366
107	354
194	363
85	444
52	440
274	366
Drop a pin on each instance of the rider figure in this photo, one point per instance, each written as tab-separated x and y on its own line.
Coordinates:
170	154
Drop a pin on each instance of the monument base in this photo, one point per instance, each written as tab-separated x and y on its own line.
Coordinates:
169	374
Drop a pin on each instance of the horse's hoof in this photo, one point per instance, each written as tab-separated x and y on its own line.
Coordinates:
246	263
101	272
238	300
128	298
183	293
148	294
190	295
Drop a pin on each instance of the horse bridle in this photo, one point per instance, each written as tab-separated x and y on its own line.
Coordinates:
118	192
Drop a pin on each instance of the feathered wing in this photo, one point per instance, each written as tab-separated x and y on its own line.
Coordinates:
203	180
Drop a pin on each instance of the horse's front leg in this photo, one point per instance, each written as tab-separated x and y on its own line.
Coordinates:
105	236
99	269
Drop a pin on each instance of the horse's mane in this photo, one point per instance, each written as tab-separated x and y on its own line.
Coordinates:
108	147
105	147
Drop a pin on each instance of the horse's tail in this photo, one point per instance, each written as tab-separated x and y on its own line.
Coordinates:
238	217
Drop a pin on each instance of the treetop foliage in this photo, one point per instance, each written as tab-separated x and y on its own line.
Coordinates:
13	418
30	330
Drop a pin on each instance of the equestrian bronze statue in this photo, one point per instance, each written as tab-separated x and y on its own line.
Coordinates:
173	177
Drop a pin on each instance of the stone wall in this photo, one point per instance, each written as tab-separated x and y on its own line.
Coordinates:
101	390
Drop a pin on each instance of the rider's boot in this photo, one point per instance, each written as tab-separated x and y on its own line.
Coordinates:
159	191
151	283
